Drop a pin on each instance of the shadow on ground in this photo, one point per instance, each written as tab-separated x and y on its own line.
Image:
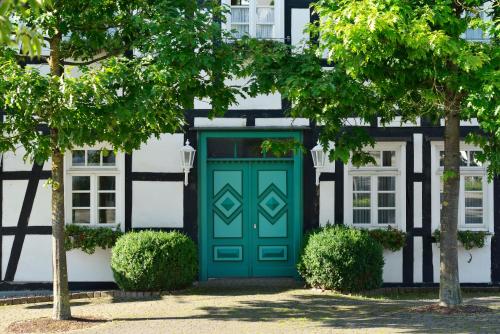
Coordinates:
338	312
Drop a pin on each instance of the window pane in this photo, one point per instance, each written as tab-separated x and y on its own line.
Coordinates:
240	30
361	200
81	216
387	216
265	2
107	200
93	158
361	183
81	200
463	158
265	15
473	216
221	148
81	182
375	155
388	158
473	199
240	2
473	183
107	216
78	158
249	148
240	15
361	216
387	183
473	159
387	200
108	158
264	31
107	183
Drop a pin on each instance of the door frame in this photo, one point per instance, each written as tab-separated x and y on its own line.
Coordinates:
203	179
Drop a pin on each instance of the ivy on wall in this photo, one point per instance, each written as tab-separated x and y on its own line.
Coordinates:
88	238
469	239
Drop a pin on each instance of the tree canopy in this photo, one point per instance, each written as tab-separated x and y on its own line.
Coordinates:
123	100
386	59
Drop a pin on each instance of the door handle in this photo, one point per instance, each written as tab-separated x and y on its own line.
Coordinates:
254	226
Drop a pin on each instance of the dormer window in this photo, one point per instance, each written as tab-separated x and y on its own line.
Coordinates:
254	18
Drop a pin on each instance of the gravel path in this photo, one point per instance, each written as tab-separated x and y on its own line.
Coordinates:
264	310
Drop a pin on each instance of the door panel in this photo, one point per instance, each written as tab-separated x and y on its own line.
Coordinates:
227	220
270	209
250	219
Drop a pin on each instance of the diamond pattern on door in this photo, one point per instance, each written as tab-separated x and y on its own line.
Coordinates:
227	202
272	203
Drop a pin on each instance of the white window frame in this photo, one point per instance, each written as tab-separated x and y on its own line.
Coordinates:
437	172
94	172
399	171
279	18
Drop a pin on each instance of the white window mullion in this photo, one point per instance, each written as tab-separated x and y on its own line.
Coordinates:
253	18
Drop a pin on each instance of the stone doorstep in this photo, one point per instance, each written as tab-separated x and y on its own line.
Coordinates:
83	295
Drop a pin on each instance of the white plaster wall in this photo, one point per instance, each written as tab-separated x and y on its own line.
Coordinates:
205	122
95	267
14	161
417	204
478	270
397	122
13	197
41	211
300	20
7	242
418	142
393	267
271	101
35	262
159	155
418	260
326	202
157	204
281	122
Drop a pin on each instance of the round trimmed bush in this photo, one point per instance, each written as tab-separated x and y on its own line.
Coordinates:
154	261
342	259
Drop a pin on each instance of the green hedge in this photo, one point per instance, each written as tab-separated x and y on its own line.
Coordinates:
342	259
154	261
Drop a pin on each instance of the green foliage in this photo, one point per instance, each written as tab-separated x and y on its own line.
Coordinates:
389	58
88	238
180	56
13	31
390	238
152	261
468	239
343	259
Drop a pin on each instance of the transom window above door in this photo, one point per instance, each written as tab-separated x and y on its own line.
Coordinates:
241	148
254	18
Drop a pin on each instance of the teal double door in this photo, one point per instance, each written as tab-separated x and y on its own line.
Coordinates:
250	221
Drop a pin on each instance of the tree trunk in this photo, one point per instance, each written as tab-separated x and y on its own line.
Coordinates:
61	309
449	288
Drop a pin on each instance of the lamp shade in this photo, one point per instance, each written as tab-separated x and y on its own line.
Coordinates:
187	156
318	156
